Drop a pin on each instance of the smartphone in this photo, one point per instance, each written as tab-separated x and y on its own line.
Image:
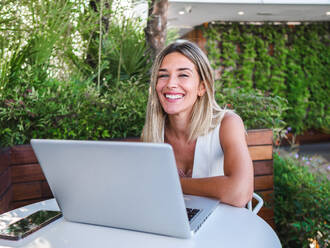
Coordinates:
29	224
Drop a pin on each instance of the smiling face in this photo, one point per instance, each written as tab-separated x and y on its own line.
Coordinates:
178	84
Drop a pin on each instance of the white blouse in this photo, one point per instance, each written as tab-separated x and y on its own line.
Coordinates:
208	158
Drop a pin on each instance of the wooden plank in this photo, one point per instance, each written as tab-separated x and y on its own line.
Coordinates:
260	137
263	167
266	213
5	181
25	191
263	183
22	154
257	152
128	139
311	136
261	152
271	222
266	195
4	159
5	201
45	190
26	173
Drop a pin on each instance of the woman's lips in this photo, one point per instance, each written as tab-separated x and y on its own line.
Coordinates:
173	97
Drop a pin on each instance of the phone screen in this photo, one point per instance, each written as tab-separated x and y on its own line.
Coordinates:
29	224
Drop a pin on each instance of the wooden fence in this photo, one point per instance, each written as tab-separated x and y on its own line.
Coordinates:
22	181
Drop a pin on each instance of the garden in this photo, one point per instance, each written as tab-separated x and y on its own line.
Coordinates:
80	70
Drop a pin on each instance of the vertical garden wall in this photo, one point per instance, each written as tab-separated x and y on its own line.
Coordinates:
289	61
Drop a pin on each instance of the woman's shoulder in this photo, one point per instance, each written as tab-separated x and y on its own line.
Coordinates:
226	120
232	127
231	118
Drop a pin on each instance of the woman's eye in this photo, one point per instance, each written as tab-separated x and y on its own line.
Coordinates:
183	75
162	76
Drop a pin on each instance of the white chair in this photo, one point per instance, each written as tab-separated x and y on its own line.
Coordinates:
259	205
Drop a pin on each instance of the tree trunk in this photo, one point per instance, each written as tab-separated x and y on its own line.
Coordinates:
156	26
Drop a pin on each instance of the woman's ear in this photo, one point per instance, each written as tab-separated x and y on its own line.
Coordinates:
201	89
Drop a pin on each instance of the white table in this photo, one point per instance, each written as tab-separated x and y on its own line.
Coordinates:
226	227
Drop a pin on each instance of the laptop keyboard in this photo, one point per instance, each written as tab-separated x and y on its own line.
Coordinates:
192	212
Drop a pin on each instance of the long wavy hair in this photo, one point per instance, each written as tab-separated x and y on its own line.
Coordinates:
206	113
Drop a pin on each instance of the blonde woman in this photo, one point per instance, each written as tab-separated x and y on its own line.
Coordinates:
209	143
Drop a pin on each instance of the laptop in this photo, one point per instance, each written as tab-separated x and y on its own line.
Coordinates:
128	185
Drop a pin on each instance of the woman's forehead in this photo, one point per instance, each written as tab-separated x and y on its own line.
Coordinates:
178	61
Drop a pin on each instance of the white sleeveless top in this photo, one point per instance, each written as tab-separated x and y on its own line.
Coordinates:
208	158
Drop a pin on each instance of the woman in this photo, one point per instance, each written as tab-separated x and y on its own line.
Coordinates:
209	143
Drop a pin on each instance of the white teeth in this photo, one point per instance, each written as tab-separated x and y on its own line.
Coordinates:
173	96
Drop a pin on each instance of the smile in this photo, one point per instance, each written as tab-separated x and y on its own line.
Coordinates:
174	96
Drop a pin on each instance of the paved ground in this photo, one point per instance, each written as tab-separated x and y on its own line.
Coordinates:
322	149
317	155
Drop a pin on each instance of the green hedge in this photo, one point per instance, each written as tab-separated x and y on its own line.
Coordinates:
288	61
72	110
76	110
255	108
302	203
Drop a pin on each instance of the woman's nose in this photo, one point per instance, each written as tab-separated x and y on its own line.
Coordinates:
172	82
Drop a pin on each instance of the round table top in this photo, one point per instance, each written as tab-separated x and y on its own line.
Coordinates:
227	226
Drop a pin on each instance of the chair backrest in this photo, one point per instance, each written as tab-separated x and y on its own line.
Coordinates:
259	204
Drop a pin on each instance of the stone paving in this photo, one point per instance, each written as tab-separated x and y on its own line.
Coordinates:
316	155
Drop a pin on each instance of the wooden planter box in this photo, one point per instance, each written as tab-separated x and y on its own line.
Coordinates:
22	181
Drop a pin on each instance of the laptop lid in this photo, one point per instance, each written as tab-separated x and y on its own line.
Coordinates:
129	185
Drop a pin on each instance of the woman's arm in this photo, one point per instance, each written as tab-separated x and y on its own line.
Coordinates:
236	186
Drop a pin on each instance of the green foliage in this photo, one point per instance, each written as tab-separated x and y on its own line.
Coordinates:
298	94
255	108
76	110
60	39
290	62
171	35
122	47
71	111
50	43
28	44
124	52
302	203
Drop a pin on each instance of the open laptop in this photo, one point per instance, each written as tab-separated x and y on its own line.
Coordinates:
129	185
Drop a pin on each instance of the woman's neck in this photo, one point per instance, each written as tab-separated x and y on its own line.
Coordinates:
177	127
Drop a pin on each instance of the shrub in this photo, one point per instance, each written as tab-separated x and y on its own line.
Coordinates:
255	108
301	203
72	110
75	110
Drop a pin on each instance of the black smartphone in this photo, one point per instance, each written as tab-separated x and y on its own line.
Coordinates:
29	224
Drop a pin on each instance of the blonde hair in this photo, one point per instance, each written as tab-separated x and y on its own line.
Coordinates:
206	113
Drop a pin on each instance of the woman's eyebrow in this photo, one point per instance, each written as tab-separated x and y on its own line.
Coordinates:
184	69
179	69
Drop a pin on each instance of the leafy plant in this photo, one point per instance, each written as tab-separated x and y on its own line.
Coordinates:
301	203
255	108
71	110
121	52
124	52
30	43
288	61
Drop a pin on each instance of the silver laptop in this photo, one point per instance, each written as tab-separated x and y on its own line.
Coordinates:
129	185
